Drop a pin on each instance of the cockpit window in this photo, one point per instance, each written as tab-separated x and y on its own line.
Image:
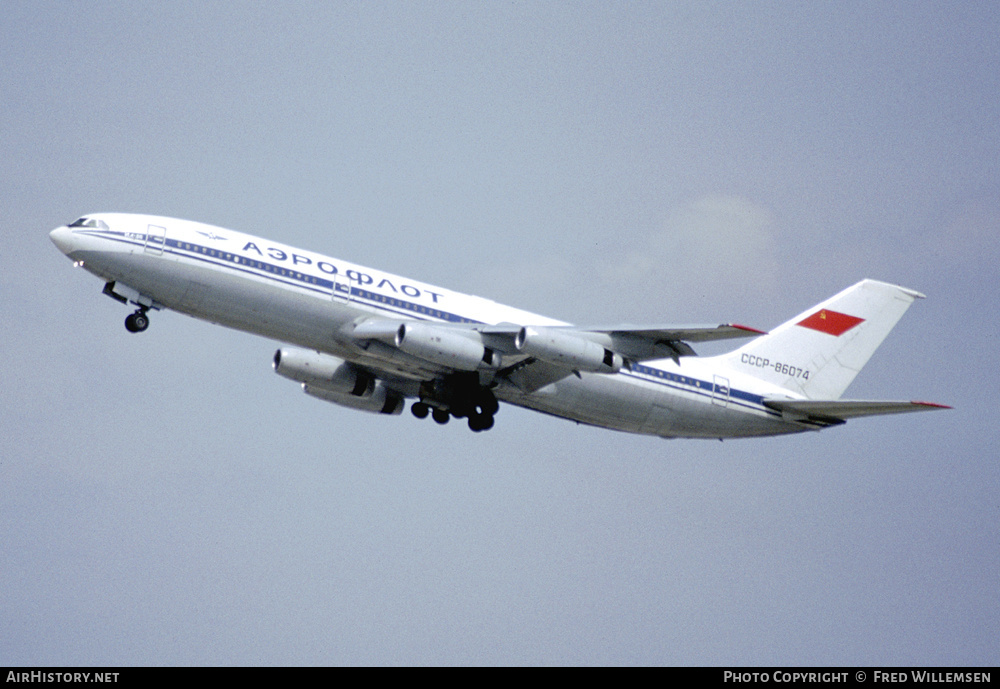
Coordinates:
90	222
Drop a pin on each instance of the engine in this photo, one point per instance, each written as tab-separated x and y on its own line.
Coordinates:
334	380
381	400
322	370
461	350
567	350
443	346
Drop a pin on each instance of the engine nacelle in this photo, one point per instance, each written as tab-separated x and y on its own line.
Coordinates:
380	401
565	349
443	346
323	371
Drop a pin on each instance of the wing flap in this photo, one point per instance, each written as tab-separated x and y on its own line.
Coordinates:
532	375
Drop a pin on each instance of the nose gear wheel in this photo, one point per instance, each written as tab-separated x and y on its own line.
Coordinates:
137	322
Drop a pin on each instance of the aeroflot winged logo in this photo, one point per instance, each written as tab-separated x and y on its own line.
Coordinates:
830	322
211	235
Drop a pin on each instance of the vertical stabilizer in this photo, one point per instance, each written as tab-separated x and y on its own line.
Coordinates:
819	352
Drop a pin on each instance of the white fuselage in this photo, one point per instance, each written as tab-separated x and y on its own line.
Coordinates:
306	299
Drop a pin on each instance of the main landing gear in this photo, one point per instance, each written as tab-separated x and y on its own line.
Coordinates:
138	321
478	406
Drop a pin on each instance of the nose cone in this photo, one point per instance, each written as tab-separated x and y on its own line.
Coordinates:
62	237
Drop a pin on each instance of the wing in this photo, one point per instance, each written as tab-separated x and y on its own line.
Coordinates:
529	356
834	412
535	356
642	343
633	343
455	366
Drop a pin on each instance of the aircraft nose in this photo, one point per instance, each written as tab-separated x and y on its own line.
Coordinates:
62	237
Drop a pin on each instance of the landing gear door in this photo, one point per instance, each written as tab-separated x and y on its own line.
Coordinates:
156	238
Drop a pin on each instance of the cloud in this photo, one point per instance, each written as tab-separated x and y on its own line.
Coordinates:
705	250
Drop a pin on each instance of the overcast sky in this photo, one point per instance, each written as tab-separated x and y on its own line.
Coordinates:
165	498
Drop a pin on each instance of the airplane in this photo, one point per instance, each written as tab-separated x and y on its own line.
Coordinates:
370	340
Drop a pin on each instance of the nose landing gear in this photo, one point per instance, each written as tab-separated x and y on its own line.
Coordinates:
135	322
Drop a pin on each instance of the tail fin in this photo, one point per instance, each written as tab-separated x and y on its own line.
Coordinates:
819	352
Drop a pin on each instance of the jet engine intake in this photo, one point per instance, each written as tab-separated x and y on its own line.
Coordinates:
564	349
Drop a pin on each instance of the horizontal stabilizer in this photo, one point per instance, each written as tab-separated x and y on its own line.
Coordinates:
832	412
